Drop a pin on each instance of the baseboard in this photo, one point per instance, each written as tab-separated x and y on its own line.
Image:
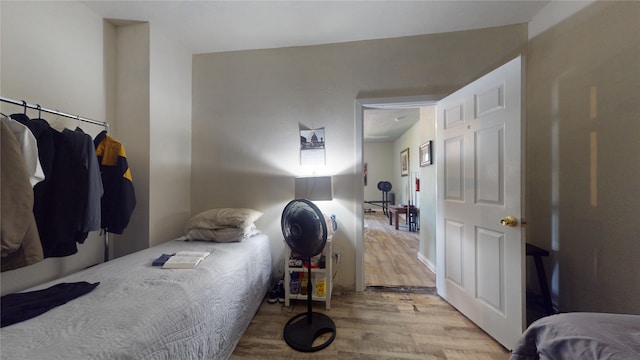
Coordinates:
427	263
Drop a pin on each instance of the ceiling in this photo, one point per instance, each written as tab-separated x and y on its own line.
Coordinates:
386	125
234	25
231	25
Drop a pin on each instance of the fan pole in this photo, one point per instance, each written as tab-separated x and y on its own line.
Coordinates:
309	290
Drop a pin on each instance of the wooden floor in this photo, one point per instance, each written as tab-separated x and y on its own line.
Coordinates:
391	256
380	324
374	325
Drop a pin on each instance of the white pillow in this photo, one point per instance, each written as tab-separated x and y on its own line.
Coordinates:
224	217
222	235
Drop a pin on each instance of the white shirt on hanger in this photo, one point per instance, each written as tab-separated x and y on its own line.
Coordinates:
29	148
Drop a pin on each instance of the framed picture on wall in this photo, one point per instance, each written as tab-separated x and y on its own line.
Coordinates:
365	174
312	147
404	162
425	154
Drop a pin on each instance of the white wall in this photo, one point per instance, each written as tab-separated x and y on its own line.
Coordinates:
379	159
153	117
64	56
132	123
405	185
425	199
247	107
52	55
428	190
170	137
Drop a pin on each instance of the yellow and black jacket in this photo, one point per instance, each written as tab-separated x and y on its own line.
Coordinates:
119	197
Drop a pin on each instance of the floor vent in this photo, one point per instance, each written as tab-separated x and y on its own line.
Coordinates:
404	289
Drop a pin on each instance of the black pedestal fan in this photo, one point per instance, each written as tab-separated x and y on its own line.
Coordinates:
305	231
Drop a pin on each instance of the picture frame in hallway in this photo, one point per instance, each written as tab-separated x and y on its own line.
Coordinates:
425	154
404	162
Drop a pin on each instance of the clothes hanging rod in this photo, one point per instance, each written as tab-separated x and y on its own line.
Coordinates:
25	105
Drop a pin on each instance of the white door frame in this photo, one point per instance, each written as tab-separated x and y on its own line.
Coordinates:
360	106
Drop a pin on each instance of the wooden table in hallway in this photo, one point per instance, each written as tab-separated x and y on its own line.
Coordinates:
396	210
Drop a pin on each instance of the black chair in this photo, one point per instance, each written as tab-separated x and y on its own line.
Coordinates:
413	218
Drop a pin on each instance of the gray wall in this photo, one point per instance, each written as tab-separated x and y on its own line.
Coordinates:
583	141
248	106
582	128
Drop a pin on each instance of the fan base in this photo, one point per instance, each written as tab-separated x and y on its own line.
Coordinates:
300	333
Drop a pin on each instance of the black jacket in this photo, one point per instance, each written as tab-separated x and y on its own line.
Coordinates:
119	197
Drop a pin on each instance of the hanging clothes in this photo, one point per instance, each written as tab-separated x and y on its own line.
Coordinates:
28	148
74	168
67	203
19	239
46	152
73	194
91	215
119	198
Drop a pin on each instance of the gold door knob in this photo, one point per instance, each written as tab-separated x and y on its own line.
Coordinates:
509	221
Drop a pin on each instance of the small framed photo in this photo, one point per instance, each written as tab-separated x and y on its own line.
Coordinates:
425	154
404	162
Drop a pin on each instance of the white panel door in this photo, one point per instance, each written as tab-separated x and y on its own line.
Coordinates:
480	261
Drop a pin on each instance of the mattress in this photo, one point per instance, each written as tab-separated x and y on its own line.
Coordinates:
581	336
139	311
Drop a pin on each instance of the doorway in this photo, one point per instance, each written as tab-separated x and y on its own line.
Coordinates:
480	251
386	257
391	256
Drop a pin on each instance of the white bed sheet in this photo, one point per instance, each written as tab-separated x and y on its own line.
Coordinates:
144	312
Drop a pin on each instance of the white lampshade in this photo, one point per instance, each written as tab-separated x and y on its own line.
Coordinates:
314	188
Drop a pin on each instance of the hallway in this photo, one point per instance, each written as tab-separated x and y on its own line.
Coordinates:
391	256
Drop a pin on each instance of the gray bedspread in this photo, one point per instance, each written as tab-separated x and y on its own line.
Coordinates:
583	336
143	312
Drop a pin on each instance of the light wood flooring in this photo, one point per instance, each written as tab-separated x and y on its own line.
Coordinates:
378	324
391	256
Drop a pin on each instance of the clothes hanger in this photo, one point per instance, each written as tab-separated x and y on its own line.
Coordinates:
78	128
56	125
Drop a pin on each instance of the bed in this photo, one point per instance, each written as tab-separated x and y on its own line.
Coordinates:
139	311
581	336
